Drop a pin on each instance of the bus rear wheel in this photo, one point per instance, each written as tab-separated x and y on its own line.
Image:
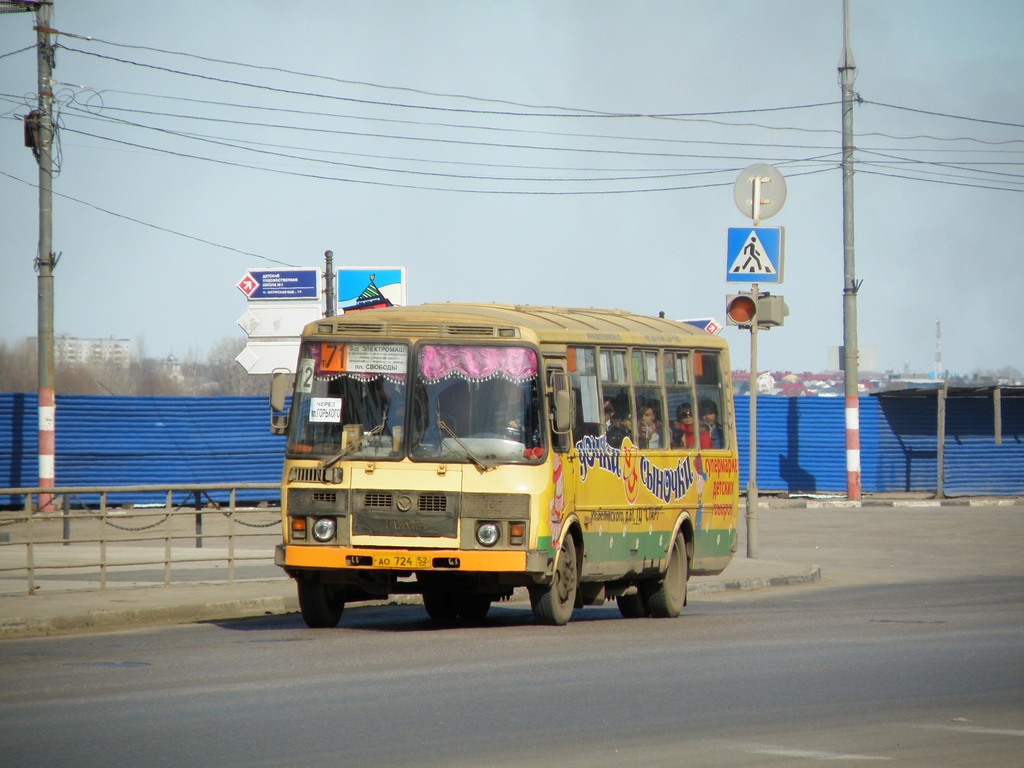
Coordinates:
667	596
320	607
633	606
554	604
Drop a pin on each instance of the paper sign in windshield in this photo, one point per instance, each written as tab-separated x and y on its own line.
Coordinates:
376	358
325	410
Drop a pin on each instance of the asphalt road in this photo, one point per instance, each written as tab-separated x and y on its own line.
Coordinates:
910	651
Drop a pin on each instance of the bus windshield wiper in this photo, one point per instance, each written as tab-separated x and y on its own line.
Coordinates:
483	465
353	446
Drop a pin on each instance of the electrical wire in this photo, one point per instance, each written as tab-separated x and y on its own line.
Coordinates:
869	160
151	225
562	110
944	114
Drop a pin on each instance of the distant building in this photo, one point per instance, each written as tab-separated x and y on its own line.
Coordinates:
110	351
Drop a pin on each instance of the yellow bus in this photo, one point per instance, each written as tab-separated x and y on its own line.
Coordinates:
461	451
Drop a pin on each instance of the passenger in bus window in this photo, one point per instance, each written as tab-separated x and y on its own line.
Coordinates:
616	428
650	428
709	419
683	433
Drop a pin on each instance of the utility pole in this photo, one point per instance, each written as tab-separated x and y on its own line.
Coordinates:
851	376
45	260
39	137
753	538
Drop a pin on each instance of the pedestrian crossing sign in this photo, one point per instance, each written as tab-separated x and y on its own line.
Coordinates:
755	255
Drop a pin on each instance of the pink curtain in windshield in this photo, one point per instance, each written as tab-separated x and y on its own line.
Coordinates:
477	363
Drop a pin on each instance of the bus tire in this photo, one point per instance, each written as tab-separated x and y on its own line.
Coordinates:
633	606
472	606
320	608
667	596
440	605
554	604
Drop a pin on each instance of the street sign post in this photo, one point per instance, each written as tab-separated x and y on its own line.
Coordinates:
755	255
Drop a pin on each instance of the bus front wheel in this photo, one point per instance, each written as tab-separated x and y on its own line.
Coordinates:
473	606
440	605
554	604
319	606
667	596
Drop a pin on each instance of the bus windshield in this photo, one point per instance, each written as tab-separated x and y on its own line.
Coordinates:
477	404
469	404
349	398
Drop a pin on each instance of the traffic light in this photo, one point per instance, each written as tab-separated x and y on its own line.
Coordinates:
743	309
771	311
740	308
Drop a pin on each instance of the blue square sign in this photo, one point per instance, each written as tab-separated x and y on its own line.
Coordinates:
755	255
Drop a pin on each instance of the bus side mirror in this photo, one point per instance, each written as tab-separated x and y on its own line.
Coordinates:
565	410
280	384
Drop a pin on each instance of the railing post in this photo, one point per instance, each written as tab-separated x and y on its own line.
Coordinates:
199	520
167	540
103	541
30	559
66	513
231	536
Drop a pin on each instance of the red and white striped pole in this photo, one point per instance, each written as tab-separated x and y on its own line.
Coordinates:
47	446
853	447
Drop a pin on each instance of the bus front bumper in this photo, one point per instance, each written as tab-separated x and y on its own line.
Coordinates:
290	556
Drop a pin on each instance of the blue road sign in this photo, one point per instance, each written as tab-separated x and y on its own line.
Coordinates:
303	283
755	255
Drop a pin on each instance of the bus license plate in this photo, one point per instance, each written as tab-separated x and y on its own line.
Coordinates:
411	562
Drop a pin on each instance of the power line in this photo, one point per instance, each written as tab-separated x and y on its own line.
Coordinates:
421	123
563	110
944	114
236	145
153	226
324	177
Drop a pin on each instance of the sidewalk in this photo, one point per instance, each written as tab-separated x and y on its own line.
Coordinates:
120	607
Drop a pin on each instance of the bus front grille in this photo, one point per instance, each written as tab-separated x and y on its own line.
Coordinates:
433	502
405	513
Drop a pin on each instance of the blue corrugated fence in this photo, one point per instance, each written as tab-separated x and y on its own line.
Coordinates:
801	447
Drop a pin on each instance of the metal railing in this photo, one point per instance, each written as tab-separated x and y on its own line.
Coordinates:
79	541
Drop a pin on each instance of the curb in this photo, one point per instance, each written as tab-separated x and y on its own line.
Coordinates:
123	618
749	584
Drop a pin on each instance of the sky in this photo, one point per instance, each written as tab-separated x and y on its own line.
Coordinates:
576	153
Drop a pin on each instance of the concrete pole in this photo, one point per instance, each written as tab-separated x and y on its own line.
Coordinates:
45	258
752	501
851	375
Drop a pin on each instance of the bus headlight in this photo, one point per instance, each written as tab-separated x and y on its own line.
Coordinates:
323	529
487	534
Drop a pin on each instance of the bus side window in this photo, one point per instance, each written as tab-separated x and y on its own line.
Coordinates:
581	363
650	406
678	392
711	404
616	408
